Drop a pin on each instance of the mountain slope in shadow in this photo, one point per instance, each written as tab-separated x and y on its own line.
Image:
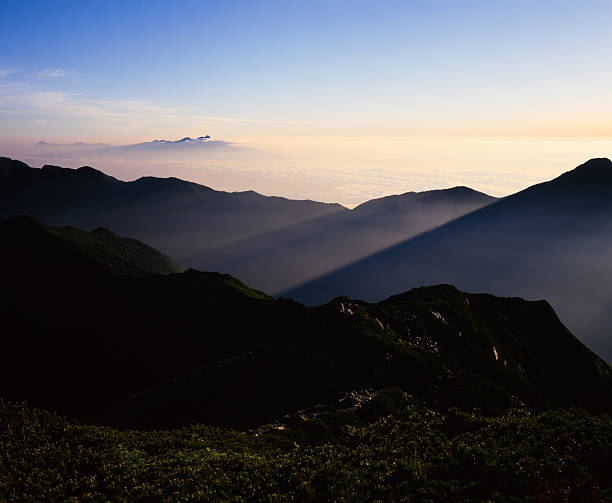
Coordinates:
286	257
27	239
173	215
271	242
445	347
81	327
165	350
552	240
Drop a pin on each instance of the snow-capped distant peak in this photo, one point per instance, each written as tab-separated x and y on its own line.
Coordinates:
187	139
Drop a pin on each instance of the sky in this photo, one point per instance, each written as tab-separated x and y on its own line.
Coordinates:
382	93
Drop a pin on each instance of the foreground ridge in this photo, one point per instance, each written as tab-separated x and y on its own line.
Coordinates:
433	393
161	350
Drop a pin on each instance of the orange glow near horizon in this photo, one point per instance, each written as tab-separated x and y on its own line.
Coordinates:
351	170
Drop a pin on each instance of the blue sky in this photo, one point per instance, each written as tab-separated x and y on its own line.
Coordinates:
388	68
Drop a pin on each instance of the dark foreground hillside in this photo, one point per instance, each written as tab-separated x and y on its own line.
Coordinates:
165	350
29	241
431	395
391	448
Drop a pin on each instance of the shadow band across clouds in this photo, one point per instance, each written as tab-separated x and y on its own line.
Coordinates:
280	259
551	241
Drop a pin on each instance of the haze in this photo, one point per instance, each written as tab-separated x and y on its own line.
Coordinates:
349	100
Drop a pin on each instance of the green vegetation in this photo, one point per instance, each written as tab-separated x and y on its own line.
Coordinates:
100	248
431	395
122	256
224	282
358	454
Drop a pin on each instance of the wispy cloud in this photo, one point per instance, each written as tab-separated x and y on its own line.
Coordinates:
23	99
215	118
26	96
4	72
53	73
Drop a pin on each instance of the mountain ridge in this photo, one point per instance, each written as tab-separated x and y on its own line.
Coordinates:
278	259
100	249
547	241
267	240
157	350
169	213
8	166
226	390
459	190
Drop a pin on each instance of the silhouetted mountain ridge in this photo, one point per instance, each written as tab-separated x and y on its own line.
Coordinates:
549	241
272	243
165	350
172	214
277	259
594	170
457	194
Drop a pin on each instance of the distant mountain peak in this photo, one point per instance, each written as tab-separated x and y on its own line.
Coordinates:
94	173
187	139
458	194
459	189
76	144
